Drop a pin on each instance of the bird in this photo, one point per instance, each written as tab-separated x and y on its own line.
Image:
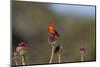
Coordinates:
52	30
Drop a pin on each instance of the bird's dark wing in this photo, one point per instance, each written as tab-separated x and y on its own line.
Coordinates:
57	33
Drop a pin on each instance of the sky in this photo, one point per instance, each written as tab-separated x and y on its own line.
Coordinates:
63	9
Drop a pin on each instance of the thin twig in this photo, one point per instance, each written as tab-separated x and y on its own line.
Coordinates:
52	53
59	57
16	62
15	58
23	60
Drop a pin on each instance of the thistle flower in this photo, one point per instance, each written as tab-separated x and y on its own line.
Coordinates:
52	39
82	51
21	51
21	48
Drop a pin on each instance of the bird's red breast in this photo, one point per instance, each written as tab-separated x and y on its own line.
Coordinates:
51	28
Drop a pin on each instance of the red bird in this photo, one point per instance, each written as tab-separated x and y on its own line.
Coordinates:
51	29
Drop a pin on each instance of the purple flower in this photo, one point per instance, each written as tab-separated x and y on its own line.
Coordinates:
52	37
82	49
20	46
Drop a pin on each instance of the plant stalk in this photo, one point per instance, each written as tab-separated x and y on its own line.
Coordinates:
16	62
59	57
23	60
82	58
52	54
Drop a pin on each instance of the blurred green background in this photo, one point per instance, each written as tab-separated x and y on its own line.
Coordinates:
74	23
